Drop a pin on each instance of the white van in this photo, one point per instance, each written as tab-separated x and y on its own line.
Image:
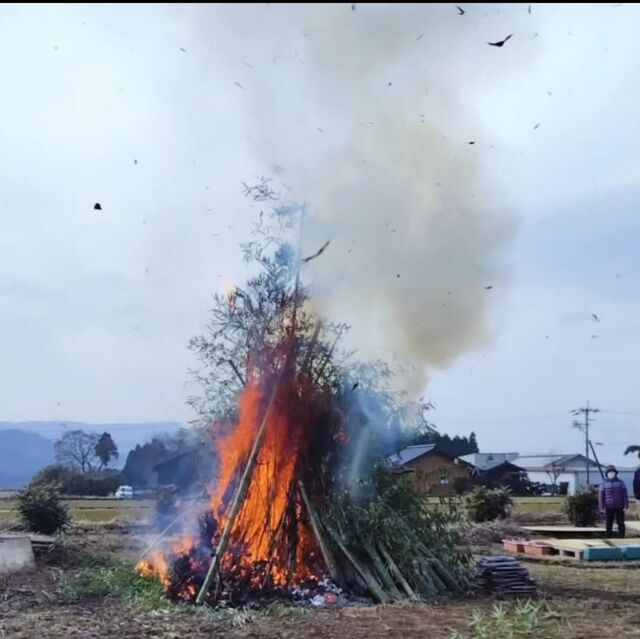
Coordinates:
124	492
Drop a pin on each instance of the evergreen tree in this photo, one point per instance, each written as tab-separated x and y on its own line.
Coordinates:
106	449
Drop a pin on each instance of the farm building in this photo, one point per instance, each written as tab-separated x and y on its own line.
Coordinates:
493	468
570	469
433	472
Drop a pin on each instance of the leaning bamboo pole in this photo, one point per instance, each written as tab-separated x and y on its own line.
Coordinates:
241	493
381	570
395	571
438	568
327	555
372	583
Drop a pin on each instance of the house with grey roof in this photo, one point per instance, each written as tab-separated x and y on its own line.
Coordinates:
432	471
493	468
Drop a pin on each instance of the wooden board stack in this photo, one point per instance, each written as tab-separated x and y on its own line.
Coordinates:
505	576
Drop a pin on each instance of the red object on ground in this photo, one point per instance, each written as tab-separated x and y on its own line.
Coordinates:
538	549
512	545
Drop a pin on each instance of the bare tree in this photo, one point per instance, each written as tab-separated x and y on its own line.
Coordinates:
554	473
78	450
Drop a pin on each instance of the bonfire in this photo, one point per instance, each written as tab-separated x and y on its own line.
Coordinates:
280	518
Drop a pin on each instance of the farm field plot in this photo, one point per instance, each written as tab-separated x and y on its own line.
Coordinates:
594	603
92	510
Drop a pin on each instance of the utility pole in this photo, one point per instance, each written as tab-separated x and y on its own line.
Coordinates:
586	411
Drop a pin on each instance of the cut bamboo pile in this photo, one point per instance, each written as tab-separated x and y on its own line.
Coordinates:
377	572
505	577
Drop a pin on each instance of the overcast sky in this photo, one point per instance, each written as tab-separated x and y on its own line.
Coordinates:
159	113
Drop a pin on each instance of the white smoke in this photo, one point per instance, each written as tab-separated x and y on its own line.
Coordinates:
377	141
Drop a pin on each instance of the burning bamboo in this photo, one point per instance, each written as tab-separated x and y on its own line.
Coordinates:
279	531
236	504
261	534
327	555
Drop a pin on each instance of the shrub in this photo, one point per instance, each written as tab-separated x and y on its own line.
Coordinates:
75	482
487	504
41	509
582	508
105	482
520	485
53	474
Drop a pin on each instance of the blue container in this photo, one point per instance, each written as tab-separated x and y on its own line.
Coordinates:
605	553
631	553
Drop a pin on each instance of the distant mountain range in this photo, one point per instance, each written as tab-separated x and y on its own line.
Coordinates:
22	454
25	447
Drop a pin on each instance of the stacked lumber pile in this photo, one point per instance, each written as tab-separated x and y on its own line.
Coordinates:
505	577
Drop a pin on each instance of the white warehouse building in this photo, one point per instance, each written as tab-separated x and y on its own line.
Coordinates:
558	469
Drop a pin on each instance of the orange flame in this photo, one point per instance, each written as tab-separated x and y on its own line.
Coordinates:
270	542
272	477
155	565
183	545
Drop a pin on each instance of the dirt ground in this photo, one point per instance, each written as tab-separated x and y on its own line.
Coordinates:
595	602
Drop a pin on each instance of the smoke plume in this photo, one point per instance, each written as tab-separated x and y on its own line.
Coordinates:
382	144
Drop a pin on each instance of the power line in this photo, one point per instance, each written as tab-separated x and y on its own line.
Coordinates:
480	420
607	443
621	412
489	420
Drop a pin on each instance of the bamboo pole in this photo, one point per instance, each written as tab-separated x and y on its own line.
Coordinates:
429	585
430	575
382	571
240	495
312	346
445	576
441	571
275	539
328	356
395	571
237	372
327	555
372	583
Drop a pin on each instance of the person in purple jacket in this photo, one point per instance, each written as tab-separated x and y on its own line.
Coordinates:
614	500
